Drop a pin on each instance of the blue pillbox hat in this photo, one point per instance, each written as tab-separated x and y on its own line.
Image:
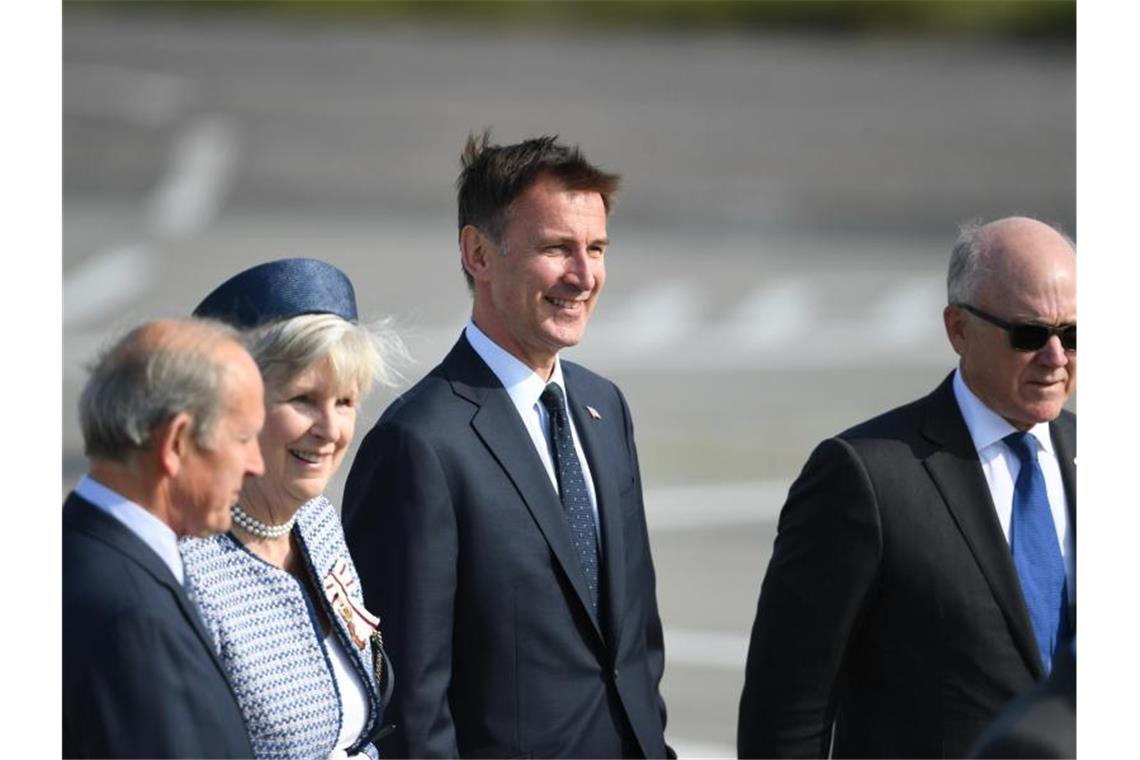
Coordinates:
279	290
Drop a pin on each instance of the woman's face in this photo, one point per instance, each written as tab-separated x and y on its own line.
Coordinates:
309	423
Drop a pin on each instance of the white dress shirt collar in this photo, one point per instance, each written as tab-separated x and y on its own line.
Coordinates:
986	426
153	532
522	383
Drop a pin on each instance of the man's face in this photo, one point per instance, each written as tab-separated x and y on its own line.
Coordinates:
541	281
1035	281
211	477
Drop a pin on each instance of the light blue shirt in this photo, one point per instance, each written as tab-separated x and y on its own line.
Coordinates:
153	532
1001	467
524	387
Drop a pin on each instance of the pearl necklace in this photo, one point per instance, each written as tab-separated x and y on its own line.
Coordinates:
258	528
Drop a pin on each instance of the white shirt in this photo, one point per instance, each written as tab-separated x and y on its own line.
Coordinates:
353	697
524	387
1001	466
154	532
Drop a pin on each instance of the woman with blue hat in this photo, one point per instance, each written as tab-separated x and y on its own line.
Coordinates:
279	592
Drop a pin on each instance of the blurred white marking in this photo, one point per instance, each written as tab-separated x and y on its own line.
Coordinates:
119	93
105	281
201	165
713	504
695	748
653	318
772	315
911	311
716	650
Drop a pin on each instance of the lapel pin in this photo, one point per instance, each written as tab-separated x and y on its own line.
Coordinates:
593	412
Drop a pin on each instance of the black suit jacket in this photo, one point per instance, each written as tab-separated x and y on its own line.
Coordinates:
891	604
140	677
1040	723
463	549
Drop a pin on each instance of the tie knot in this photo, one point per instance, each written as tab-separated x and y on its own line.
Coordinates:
552	399
1020	444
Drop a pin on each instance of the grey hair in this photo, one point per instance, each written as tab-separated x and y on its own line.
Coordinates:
144	379
966	266
361	355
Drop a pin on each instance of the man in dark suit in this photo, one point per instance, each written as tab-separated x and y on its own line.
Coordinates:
922	572
170	417
502	539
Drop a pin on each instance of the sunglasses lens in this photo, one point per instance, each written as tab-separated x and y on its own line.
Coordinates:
1028	337
1069	338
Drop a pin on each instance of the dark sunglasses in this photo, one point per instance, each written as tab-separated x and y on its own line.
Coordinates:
1028	336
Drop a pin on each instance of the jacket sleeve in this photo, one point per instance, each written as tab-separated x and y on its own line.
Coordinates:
400	527
823	567
654	637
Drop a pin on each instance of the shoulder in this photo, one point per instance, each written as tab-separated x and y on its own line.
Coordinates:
431	402
205	556
902	419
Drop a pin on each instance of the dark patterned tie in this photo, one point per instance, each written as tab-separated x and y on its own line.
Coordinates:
1036	552
572	489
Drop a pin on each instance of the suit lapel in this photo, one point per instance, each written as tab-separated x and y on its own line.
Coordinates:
83	516
497	424
956	471
600	446
1064	434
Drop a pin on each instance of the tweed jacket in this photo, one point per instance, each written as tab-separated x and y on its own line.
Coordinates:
268	638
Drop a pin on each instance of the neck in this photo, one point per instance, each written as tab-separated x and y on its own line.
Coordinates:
131	480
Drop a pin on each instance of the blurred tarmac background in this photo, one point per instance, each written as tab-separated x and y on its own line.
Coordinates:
793	177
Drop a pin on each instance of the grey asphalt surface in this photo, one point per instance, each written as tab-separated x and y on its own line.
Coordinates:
778	248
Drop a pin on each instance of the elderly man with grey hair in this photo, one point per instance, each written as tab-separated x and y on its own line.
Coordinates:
170	416
922	573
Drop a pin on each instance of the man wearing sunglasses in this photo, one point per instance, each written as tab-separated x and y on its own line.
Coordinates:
922	573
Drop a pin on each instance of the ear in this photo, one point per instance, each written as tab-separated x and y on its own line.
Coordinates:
172	442
954	319
475	250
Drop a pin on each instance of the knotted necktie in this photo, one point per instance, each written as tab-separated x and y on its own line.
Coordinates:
572	489
1036	552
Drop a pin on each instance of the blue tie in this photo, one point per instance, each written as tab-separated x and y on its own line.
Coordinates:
1036	553
572	489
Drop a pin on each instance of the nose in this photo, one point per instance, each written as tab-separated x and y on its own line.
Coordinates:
1053	354
580	270
255	465
324	421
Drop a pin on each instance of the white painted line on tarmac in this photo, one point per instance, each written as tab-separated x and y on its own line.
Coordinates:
201	166
652	319
706	505
714	650
909	312
105	281
696	748
773	314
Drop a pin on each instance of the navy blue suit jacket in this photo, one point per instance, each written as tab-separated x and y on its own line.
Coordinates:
891	608
140	677
464	551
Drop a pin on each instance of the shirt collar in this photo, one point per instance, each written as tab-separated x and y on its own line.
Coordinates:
522	383
152	531
986	426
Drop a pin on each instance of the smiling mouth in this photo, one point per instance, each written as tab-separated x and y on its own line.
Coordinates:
308	457
566	303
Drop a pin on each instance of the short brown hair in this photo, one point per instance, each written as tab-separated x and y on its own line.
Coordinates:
493	176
